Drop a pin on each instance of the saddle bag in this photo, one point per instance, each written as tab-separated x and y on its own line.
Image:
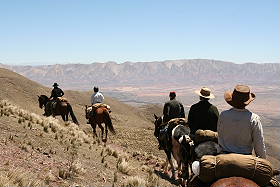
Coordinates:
99	105
205	135
228	165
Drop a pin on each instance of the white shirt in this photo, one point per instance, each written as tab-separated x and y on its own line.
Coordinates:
240	131
97	97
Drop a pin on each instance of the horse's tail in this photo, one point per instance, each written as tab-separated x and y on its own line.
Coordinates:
74	119
109	122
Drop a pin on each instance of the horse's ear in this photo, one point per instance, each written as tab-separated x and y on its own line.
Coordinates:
38	96
155	116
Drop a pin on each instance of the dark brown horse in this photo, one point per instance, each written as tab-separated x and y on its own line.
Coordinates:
100	116
62	108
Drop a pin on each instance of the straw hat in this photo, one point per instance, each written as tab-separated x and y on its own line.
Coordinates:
240	97
205	92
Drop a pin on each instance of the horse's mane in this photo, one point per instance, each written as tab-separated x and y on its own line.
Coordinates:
44	96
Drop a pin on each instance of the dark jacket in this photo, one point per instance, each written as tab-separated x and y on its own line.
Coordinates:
173	109
203	115
57	92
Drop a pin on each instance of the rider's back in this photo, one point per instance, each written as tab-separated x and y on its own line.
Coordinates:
57	92
97	97
172	109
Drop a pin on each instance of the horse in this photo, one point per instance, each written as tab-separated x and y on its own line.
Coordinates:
100	116
63	108
175	140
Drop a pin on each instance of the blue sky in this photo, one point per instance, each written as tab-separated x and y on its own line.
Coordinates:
71	31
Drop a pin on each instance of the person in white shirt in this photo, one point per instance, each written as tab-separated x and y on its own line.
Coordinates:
240	130
96	97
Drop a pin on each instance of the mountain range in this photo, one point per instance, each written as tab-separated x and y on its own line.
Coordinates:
170	72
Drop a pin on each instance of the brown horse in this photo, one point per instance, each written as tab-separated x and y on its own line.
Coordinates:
62	108
100	116
234	181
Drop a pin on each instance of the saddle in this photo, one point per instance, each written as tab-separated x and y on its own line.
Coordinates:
99	105
90	110
62	99
165	131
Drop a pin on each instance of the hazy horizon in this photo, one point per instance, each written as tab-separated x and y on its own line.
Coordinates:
64	63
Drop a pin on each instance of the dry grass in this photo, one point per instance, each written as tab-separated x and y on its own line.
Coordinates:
134	181
18	177
123	166
49	124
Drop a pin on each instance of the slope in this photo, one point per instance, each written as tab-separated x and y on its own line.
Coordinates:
58	153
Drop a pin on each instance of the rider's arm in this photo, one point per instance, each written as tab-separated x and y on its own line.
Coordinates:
214	116
52	94
61	93
191	120
102	98
258	139
165	112
182	111
92	99
165	109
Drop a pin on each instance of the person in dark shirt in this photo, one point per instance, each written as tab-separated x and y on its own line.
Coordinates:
56	92
173	108
203	115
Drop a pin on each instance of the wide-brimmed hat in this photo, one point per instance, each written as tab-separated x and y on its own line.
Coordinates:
240	97
55	84
205	92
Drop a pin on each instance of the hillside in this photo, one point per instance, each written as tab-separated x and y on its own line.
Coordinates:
63	154
172	72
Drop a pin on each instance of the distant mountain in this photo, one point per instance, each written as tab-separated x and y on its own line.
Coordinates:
176	72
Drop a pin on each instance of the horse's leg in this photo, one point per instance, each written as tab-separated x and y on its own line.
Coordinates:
93	125
102	130
106	133
63	117
165	169
179	162
168	160
173	169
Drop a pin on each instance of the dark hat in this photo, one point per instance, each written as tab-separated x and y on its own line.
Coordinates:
172	94
95	89
55	84
240	97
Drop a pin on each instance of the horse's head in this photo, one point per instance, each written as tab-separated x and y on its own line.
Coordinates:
87	111
158	123
42	99
187	153
187	149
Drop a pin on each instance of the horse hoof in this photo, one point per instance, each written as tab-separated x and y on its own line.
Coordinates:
166	172
183	183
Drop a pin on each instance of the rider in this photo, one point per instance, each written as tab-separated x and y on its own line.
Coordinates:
172	109
56	92
97	97
239	129
203	115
